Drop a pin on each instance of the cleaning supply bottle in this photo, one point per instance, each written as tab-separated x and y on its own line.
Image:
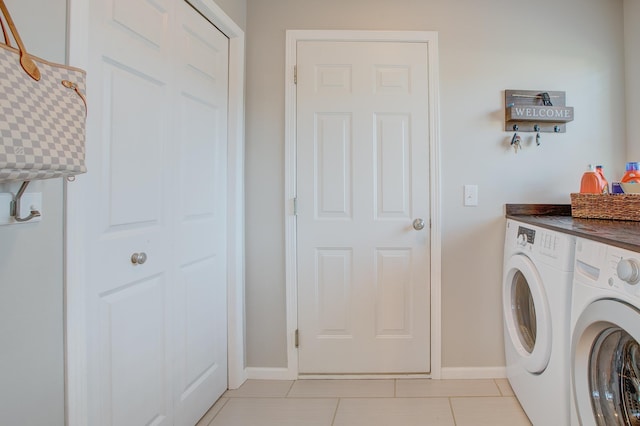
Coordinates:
590	183
632	174
604	184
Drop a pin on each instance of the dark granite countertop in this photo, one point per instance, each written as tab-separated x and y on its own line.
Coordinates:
557	217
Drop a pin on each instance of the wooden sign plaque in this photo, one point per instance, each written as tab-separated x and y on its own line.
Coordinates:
536	111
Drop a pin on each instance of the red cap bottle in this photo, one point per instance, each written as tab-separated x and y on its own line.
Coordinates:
590	183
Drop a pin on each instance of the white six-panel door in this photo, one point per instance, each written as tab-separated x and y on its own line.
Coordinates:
157	81
362	181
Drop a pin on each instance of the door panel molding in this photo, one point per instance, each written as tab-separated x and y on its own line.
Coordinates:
77	214
389	80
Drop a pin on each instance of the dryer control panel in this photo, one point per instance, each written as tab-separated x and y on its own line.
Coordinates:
623	269
604	266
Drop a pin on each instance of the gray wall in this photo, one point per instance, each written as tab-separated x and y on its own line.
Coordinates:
236	10
485	47
632	56
31	289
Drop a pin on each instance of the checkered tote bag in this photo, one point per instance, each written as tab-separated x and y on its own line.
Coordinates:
42	114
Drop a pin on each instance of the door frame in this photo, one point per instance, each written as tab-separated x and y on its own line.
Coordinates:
77	214
292	38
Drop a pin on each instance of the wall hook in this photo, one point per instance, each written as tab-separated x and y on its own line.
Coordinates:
15	205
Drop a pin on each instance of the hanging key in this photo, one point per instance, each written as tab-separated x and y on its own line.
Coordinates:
515	142
514	138
537	130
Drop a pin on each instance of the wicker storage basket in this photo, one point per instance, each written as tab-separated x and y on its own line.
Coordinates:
604	206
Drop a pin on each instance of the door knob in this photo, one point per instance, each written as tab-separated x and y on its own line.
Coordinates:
418	224
138	258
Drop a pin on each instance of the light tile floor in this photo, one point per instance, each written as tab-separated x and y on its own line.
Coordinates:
401	402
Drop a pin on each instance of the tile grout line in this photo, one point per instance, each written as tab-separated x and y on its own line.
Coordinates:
289	390
453	413
216	415
335	413
495	382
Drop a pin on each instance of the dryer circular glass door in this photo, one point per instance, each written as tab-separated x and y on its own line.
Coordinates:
526	313
606	364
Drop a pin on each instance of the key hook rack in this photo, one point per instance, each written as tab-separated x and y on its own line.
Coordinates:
536	111
14	209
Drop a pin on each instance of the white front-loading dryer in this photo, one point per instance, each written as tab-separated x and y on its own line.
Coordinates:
538	273
605	324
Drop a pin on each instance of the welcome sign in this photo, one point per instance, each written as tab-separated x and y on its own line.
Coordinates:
536	111
540	113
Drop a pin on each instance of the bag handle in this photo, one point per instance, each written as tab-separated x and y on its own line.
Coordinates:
25	60
7	41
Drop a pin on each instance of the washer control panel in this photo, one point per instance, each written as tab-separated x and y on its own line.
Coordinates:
526	235
540	244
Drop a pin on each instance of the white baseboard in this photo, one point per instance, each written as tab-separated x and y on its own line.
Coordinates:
259	373
474	372
237	379
362	376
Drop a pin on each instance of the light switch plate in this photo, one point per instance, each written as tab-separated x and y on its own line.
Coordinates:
30	200
471	195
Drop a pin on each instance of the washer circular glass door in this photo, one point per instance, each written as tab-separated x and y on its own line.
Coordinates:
526	313
606	366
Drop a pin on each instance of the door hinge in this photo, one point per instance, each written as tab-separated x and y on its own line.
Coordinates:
295	206
295	74
296	338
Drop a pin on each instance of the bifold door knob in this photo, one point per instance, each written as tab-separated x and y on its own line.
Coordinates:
138	258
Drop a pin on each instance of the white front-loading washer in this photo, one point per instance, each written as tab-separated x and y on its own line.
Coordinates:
605	324
538	273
